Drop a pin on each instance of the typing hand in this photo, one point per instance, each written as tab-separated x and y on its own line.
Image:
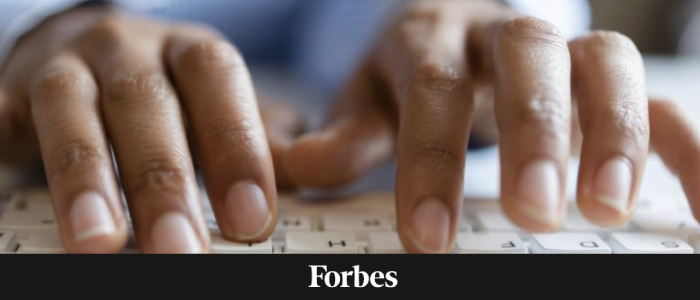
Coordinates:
93	78
446	69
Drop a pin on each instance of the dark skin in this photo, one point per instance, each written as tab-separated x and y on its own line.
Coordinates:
93	78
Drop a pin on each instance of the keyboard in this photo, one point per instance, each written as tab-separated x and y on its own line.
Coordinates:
366	225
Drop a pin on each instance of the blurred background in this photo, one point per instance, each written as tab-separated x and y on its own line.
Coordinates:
657	26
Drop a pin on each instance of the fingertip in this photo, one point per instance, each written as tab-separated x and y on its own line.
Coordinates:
110	243
534	201
600	214
531	220
313	162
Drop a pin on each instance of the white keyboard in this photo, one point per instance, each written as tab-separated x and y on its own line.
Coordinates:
367	224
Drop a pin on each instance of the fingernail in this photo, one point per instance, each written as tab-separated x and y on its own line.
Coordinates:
248	214
538	192
173	233
91	217
430	228
612	185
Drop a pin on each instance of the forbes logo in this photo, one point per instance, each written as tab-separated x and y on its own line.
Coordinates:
358	278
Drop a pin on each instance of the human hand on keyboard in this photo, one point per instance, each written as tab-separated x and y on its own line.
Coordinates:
446	69
93	74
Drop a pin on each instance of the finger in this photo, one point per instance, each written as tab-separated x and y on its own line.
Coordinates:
358	136
430	79
236	161
283	125
77	158
18	142
613	110
676	138
533	109
145	124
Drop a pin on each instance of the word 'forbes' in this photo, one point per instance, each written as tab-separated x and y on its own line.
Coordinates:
358	278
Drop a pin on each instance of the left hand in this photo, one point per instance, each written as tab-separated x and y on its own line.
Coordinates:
449	68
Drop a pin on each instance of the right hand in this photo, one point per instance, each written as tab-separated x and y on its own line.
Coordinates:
92	78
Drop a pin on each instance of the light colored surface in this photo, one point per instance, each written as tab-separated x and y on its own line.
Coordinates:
385	243
24	222
42	242
645	243
645	232
221	246
568	243
321	242
490	243
8	241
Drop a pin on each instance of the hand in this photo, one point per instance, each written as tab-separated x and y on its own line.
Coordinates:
93	78
447	67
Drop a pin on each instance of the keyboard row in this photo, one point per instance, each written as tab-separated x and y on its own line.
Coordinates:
25	221
48	242
28	225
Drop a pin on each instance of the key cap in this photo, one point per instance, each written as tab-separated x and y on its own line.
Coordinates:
568	243
321	242
679	223
212	225
221	246
465	225
648	243
490	243
694	241
358	224
31	201
385	243
42	242
278	247
8	242
292	223
24	222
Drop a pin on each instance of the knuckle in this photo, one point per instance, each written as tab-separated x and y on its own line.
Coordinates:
63	85
74	158
439	76
441	155
211	56
107	28
609	40
630	120
550	119
229	138
533	29
129	87
160	174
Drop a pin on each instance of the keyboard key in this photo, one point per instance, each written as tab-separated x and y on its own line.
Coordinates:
490	243
221	246
358	224
42	242
278	247
8	242
694	241
24	222
37	200
648	243
464	225
321	242
385	243
679	223
292	223
495	221
568	243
